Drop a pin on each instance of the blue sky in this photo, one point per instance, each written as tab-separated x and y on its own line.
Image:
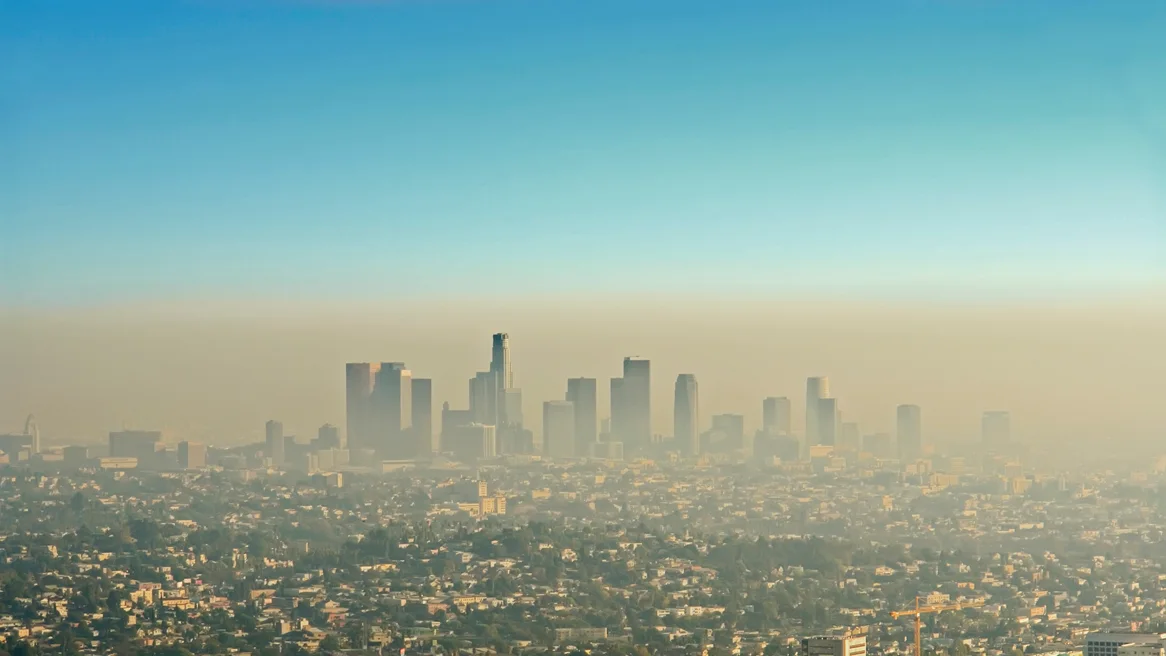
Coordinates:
369	150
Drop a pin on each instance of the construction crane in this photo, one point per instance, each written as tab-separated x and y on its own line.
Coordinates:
919	611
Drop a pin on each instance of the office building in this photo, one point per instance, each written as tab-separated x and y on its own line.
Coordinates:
484	398
582	394
732	430
360	382
392	408
327	437
619	417
503	373
422	417
686	415
634	427
134	444
817	389
469	443
191	455
996	428
909	431
827	422
559	429
1109	643
76	456
776	415
275	446
847	644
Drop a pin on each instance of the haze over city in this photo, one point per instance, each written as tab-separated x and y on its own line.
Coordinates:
582	328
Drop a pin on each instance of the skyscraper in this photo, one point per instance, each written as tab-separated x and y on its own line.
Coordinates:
617	422
686	415
274	446
484	398
581	392
909	431
827	421
422	416
775	415
500	368
361	381
559	429
392	409
996	428
816	389
328	437
637	404
191	455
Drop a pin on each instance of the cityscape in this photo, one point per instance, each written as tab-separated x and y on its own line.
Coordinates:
389	424
583	328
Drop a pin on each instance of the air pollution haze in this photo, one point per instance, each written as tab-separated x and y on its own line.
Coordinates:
1071	374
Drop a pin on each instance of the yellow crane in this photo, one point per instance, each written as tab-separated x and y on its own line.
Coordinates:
919	611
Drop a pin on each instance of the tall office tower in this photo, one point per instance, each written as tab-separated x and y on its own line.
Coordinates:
637	402
328	437
909	431
274	447
686	415
816	389
775	415
191	455
996	428
500	368
422	416
361	381
559	429
617	423
511	436
484	398
500	361
827	421
582	394
392	409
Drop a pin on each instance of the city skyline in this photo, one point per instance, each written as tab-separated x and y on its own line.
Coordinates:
734	376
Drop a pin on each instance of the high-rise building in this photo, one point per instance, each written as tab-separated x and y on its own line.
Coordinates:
776	415
996	428
500	362
816	389
559	429
469	442
327	437
731	429
686	415
134	444
484	398
191	455
581	392
616	423
360	382
909	431
275	445
827	421
392	408
636	402
422	416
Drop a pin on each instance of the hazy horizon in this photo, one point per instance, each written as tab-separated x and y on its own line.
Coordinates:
204	372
